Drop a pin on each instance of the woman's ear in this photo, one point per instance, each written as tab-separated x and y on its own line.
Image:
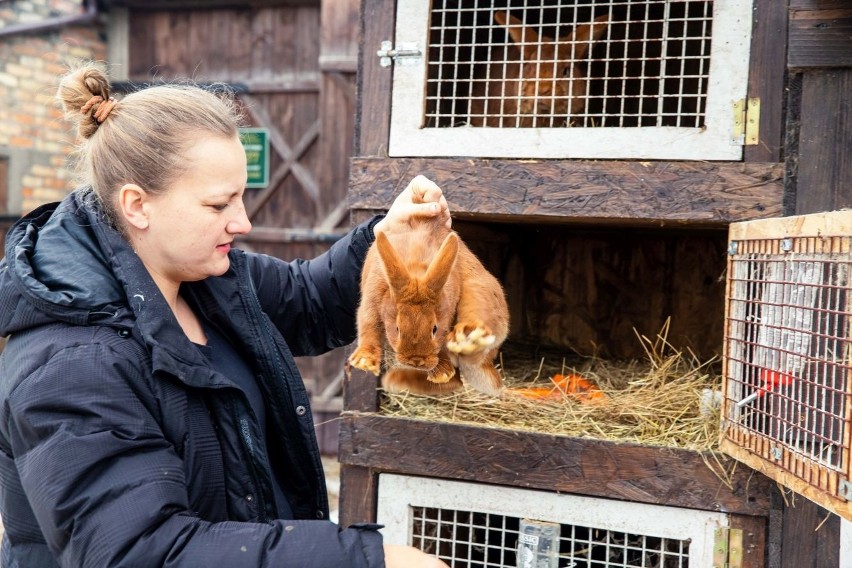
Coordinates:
131	205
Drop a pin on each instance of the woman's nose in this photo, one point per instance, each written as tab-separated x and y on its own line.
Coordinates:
240	225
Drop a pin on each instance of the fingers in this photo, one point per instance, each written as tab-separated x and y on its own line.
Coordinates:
424	189
421	198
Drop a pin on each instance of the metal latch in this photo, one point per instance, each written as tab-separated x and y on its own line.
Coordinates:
728	548
746	122
408	53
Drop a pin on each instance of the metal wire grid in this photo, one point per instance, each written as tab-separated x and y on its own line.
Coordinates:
650	66
466	539
788	353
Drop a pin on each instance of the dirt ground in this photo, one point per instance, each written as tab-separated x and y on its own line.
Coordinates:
332	482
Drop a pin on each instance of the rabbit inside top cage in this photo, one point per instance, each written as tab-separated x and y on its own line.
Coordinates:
618	63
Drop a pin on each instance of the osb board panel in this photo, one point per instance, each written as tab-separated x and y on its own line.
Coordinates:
649	193
632	472
591	290
825	142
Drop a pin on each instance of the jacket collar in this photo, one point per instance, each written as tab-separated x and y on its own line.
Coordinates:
65	263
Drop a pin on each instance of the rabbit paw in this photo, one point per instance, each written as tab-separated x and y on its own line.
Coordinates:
467	338
367	358
442	373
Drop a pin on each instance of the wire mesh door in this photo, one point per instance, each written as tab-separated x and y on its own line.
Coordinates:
787	406
471	525
570	78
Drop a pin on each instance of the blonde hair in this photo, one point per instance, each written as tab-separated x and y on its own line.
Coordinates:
144	138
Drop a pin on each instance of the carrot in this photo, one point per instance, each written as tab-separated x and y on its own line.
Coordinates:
573	386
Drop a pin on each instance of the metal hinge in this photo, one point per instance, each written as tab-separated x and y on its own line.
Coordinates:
408	53
746	122
728	548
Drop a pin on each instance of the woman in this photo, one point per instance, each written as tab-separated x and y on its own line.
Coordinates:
152	413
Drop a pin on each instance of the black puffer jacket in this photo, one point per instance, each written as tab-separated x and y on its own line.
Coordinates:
118	445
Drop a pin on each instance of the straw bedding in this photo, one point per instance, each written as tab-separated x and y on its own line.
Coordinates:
661	401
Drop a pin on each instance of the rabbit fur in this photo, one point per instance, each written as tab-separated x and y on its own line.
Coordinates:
430	312
541	79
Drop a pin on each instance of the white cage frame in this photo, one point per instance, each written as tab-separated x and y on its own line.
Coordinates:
398	495
727	84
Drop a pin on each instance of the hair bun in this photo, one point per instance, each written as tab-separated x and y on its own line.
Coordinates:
85	97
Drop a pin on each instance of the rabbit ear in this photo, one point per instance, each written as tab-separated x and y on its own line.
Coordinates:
395	269
442	264
520	34
583	35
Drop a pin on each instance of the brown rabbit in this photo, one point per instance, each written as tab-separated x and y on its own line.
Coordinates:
542	80
432	310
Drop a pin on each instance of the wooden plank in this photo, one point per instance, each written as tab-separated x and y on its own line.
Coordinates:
824	224
360	389
638	193
754	539
339	22
825	142
372	124
810	538
632	472
766	78
358	495
590	291
820	38
163	5
819	4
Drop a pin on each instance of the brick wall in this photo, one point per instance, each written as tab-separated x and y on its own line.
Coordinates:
33	136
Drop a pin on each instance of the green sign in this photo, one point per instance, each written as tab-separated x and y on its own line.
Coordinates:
256	144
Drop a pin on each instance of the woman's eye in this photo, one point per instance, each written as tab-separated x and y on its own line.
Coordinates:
220	206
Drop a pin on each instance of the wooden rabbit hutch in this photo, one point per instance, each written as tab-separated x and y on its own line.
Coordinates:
597	173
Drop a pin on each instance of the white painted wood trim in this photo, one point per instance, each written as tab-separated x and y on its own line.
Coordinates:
728	79
397	494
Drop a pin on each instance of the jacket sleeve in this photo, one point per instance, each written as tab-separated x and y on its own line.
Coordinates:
313	302
108	489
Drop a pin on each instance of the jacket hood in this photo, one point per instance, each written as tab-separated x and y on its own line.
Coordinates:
60	265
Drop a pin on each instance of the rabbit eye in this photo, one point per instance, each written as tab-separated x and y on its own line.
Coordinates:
434	330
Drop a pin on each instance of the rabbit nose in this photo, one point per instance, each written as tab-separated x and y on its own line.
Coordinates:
417	361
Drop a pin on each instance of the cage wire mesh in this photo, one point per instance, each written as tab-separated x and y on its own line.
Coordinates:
788	354
467	539
546	64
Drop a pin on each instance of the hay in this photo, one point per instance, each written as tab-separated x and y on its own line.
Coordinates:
657	401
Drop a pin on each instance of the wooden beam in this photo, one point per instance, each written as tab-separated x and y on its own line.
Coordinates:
710	194
820	38
766	78
584	466
277	235
172	5
372	122
358	495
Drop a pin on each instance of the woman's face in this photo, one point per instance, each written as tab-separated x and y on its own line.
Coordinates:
192	225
